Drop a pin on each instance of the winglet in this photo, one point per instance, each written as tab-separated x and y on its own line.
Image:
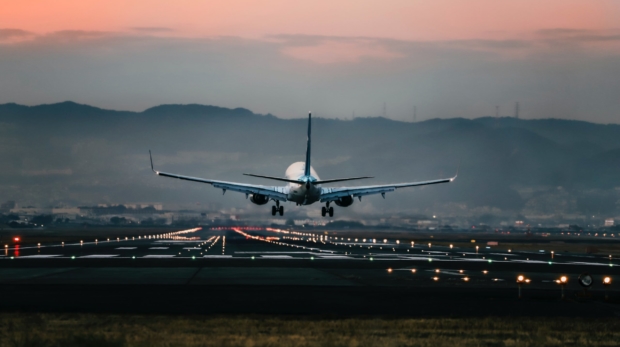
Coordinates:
151	156
457	172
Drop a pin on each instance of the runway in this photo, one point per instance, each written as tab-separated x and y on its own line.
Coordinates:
262	270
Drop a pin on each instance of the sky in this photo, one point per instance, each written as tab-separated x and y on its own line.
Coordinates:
339	59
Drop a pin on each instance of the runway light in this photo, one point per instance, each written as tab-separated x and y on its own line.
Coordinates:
520	279
429	245
460	271
16	239
437	271
72	257
134	257
606	280
370	258
466	279
451	246
563	279
389	270
485	272
435	278
413	270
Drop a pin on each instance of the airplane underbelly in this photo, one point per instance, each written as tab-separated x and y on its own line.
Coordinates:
299	196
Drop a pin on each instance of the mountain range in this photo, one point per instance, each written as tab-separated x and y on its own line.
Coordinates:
67	154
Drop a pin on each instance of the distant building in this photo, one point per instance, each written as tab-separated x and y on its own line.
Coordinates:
7	206
30	210
427	223
609	222
66	212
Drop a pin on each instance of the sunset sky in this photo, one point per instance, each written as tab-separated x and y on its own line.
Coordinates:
558	58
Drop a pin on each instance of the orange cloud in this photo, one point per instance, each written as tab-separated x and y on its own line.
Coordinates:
330	52
397	19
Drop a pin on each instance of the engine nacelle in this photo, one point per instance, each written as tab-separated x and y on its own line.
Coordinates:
259	199
344	201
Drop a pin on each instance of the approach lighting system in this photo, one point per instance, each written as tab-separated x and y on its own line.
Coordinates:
520	281
606	284
585	280
562	282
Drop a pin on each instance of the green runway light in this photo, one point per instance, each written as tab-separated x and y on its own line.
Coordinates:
72	257
193	257
252	257
311	258
430	260
549	263
12	257
370	258
490	261
134	257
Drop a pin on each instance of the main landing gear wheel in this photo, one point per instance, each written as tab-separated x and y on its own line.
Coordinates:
273	210
323	211
281	210
331	211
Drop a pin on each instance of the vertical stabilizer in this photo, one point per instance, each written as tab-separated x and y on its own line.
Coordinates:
307	168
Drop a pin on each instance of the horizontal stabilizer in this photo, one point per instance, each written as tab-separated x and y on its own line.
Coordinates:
341	180
275	178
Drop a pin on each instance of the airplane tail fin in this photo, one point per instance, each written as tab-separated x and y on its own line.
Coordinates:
307	168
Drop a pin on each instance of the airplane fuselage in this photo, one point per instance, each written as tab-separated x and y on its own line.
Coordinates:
302	193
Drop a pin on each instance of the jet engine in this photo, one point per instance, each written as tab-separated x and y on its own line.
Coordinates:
344	201
259	199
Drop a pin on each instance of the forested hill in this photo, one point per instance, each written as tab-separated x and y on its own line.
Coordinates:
71	154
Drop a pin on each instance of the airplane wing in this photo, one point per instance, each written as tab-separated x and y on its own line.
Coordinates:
331	194
276	193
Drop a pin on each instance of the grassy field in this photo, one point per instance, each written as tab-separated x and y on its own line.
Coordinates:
18	329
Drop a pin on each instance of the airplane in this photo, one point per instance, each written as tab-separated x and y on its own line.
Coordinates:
304	186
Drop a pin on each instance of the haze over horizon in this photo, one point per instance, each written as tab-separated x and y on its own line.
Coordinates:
73	155
558	59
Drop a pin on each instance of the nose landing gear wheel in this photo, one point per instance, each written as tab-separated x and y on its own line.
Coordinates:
323	211
273	210
331	211
281	210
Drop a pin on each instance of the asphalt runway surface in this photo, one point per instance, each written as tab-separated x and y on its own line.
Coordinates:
271	271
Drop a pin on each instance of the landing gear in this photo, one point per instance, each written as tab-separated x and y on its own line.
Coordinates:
277	209
327	210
